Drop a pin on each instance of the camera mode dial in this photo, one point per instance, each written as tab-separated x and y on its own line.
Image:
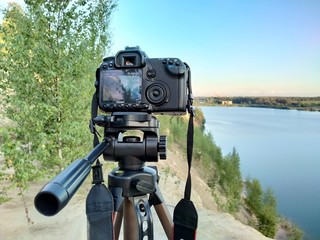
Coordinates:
174	66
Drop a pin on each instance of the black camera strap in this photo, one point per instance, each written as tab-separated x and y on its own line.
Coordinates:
99	202
94	113
185	216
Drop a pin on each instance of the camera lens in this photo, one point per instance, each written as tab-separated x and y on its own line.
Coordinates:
156	94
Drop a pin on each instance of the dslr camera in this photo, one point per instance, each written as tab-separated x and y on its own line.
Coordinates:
132	82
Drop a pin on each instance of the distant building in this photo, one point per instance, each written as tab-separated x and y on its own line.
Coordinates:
226	103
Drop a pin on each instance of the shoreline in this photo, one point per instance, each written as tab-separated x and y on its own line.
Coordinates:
261	106
309	104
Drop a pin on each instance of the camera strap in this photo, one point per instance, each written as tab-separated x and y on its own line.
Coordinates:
99	202
94	113
185	216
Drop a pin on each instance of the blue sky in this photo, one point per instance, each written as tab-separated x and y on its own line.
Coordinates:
248	47
234	48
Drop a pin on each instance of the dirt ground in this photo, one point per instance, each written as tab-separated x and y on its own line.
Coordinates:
71	222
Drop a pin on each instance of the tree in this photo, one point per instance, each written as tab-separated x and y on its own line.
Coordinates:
51	51
254	195
268	214
263	205
231	180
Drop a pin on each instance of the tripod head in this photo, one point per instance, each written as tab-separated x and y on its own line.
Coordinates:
130	152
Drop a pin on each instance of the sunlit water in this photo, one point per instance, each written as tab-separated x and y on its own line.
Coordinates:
282	149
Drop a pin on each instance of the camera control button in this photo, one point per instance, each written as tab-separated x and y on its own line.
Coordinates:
151	73
156	94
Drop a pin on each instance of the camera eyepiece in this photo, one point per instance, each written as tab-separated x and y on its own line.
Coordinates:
131	57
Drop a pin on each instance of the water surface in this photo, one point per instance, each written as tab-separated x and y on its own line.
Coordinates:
279	147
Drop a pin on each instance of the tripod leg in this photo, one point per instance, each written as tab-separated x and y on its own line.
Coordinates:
118	216
165	218
130	222
118	200
156	199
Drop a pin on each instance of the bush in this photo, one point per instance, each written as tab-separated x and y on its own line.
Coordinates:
263	206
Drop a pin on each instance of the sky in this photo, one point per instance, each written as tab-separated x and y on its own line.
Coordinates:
234	48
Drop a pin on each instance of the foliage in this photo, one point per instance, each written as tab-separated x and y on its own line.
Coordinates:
3	192
220	171
254	195
293	232
3	198
268	215
231	180
49	52
263	205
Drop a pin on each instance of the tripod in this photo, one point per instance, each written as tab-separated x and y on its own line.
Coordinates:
130	190
132	186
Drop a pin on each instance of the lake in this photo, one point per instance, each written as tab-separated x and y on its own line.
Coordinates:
281	148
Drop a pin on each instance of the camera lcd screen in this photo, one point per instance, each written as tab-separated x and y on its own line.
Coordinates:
121	86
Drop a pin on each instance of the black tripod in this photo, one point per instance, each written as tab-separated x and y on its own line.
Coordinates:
129	189
131	182
132	186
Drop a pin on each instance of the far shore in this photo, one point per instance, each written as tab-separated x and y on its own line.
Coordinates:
311	104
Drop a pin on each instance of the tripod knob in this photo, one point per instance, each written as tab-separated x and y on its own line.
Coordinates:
145	187
162	147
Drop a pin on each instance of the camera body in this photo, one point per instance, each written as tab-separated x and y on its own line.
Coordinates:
132	82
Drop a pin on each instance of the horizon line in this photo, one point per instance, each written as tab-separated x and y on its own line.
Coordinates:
251	96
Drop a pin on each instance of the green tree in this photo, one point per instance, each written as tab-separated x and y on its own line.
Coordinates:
52	50
268	214
254	195
263	205
199	119
231	180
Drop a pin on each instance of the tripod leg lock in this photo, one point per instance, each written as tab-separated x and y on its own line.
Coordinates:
144	216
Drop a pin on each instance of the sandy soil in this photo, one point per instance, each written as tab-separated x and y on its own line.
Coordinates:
71	223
